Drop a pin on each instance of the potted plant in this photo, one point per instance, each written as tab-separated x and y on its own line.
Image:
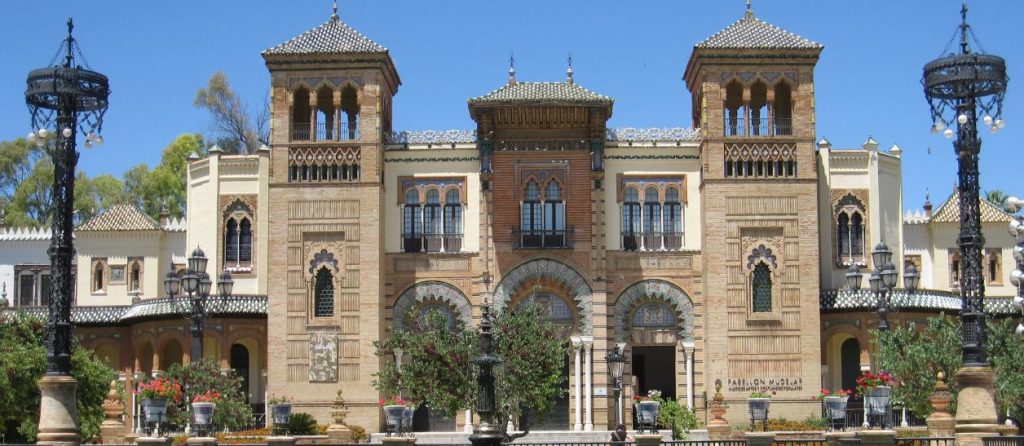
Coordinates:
835	404
154	395
202	409
647	409
876	389
280	410
758	403
407	418
394	410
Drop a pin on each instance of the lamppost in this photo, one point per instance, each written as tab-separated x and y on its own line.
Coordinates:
485	433
883	281
1017	276
196	284
63	99
958	87
616	363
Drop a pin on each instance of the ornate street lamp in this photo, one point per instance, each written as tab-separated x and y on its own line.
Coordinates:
197	285
486	433
616	364
958	87
63	99
883	281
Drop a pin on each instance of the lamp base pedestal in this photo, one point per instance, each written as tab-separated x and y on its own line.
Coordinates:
58	416
975	406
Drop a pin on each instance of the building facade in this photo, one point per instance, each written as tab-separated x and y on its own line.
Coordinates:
715	253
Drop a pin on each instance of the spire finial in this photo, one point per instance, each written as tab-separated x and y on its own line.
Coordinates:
334	8
750	13
569	71
70	56
965	47
511	67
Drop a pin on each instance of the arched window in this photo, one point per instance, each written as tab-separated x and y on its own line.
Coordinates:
843	235
856	235
300	115
652	220
734	109
325	115
531	217
231	241
412	223
758	109
452	221
432	221
135	277
245	241
762	288
323	294
673	219
98	278
783	109
850	237
350	108
631	219
554	216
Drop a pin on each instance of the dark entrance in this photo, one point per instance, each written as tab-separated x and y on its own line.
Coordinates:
849	354
240	363
655	368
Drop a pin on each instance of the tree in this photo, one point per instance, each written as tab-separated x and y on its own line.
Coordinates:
440	371
238	130
16	160
197	378
1006	355
916	355
165	184
32	200
1000	199
22	358
95	195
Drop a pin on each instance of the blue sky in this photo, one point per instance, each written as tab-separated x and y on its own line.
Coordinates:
868	80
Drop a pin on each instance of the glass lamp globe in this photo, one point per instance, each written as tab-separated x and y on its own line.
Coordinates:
1020	331
1014	227
43	133
1018	303
962	118
32	137
66	132
939	125
1018	253
1015	276
1000	123
948	133
987	120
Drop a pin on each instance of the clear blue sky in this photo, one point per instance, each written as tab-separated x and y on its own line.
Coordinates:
868	80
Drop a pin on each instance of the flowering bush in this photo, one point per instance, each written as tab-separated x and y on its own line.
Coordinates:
393	401
762	393
274	399
209	397
652	395
868	380
842	393
160	388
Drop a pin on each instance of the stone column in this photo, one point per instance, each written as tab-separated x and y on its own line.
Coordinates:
578	375
688	347
468	427
940	422
588	390
975	406
58	419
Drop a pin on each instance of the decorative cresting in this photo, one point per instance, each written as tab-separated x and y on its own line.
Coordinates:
425	291
324	257
533	270
654	289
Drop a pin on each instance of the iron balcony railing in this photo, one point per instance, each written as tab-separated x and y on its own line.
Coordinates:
433	242
652	241
543	238
740	126
346	131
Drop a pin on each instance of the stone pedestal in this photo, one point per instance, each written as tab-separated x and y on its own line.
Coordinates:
975	406
338	431
940	422
113	430
201	441
397	441
58	417
718	428
760	438
281	441
833	438
154	441
882	437
647	439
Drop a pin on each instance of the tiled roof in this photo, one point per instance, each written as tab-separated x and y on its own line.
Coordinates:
334	36
949	212
161	308
753	33
120	217
24	234
543	92
926	300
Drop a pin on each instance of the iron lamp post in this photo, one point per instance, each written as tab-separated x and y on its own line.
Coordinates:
196	284
616	364
486	433
883	280
63	99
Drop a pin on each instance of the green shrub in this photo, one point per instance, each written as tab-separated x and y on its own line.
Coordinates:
672	415
358	433
302	424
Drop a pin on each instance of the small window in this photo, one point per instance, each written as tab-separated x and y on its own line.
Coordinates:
323	292
98	279
135	277
762	288
26	290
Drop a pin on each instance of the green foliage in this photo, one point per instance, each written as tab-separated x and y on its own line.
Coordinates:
818	423
95	195
1006	355
237	129
16	160
438	369
165	184
302	423
31	203
358	433
199	377
998	198
675	416
22	358
916	355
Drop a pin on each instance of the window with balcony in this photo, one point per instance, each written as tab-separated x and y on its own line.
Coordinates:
238	235
542	217
656	222
317	117
433	226
759	115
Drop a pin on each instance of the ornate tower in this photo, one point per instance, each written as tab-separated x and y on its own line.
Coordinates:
753	95
332	91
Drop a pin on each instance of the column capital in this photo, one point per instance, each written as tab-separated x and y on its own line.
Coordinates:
688	347
589	340
576	342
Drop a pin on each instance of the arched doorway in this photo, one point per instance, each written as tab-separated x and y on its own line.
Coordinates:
849	369
239	361
144	359
171	354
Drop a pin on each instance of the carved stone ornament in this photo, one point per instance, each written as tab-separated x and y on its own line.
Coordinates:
323	357
432	290
323	257
533	270
654	289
